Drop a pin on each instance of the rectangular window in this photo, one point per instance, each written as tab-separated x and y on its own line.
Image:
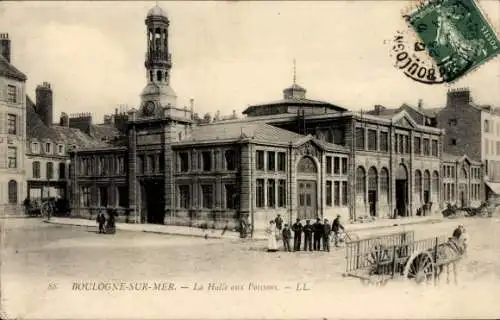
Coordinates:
271	193
184	197
344	193
406	140
259	193
427	149
328	193
486	146
183	161
434	148
206	157
395	143
372	140
360	138
328	165
336	165
11	94
11	124
120	165
103	196
498	148
281	193
60	149
344	165
259	160
207	196
281	161
85	197
48	148
12	157
152	163
336	193
123	196
271	160
232	200
36	170
401	143
230	156
384	141
50	170
417	144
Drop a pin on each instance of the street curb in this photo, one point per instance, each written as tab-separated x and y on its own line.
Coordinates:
208	236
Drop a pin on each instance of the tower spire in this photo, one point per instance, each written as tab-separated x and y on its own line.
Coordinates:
294	72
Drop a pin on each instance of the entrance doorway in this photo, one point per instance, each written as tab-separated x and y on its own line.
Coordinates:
153	203
306	204
401	190
372	202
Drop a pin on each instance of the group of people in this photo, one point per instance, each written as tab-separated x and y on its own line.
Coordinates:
316	236
107	225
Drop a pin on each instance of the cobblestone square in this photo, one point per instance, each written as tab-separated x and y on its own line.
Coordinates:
55	271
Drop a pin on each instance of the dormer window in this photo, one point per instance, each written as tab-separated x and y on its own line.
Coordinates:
35	147
60	149
48	148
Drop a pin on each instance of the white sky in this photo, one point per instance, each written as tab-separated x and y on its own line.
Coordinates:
226	55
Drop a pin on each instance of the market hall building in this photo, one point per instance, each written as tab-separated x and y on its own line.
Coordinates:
297	157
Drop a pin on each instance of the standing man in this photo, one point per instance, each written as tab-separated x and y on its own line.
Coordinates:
279	222
308	231
336	226
287	235
318	234
101	220
327	230
297	235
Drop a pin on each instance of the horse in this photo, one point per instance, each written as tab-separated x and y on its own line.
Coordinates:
451	250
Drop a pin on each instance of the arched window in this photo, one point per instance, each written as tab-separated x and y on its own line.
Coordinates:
307	165
158	75
12	192
360	181
384	182
50	170
62	170
418	183
486	126
36	169
435	182
427	180
372	179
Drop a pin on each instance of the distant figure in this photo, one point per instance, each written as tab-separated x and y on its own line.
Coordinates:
336	227
111	226
318	234
279	222
26	204
101	220
308	232
226	227
287	235
297	235
272	243
327	230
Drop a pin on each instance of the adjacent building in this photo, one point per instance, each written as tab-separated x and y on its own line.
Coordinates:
12	131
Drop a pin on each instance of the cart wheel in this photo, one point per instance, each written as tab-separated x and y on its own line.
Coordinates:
420	268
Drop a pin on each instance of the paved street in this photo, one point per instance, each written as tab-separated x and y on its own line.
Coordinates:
51	271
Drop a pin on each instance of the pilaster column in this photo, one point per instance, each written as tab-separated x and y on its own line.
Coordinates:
246	180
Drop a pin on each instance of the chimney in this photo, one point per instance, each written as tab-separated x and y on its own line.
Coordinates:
64	121
378	109
44	103
458	97
5	46
81	121
420	104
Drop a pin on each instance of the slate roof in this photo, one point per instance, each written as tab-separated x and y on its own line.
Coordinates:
104	131
452	158
9	71
389	112
238	130
296	102
36	129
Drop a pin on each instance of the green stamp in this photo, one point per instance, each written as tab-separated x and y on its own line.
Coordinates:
456	35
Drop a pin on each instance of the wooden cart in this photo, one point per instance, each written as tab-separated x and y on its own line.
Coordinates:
377	260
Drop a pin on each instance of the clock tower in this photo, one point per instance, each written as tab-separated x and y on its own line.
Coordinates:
157	94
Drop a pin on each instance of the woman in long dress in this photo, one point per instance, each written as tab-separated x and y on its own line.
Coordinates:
272	243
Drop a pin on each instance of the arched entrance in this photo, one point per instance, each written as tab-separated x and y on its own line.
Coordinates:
307	176
372	191
401	190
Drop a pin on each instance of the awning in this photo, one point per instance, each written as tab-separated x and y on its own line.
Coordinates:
494	186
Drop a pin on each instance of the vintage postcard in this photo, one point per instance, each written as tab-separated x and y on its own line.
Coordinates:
249	159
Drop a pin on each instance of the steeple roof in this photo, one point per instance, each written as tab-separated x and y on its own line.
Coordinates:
157	11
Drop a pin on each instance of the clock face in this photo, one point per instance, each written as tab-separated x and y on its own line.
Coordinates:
149	108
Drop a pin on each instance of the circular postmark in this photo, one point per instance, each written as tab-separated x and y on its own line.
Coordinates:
410	56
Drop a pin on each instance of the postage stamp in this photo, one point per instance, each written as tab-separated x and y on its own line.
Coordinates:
456	35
